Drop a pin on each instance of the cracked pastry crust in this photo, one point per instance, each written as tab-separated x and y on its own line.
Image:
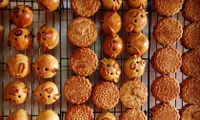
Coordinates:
190	112
48	5
133	114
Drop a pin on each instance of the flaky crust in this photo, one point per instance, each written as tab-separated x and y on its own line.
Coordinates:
133	93
111	4
132	114
4	4
1	32
19	115
77	90
137	4
48	5
47	115
190	112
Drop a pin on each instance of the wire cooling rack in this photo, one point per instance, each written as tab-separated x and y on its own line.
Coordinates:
60	19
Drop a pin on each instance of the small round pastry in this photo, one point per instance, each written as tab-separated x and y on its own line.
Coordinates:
190	112
47	37
83	61
106	116
132	114
190	91
111	4
77	90
48	5
16	92
105	95
133	93
166	60
85	8
45	66
1	32
112	46
47	115
191	10
79	112
18	65
22	15
47	93
137	44
134	67
165	88
110	70
19	115
164	112
4	4
82	32
137	4
20	38
135	20
167	7
167	31
111	23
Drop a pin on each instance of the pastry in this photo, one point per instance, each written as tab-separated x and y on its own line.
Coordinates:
1	32
133	93
20	38
83	61
79	112
4	4
191	63
165	88
137	4
85	8
48	5
106	116
135	20
191	10
134	67
166	60
77	90
164	112
167	7
190	112
110	70
19	115
190	91
22	15
105	95
82	32
47	37
16	92
191	35
111	4
167	31
137	44
47	93
47	115
112	46
111	23
18	65
132	114
45	66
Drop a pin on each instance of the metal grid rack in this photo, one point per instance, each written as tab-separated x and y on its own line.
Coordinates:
60	19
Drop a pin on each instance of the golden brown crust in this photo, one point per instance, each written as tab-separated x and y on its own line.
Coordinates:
165	88
85	8
191	63
190	112
82	32
190	90
133	93
132	114
22	15
168	7
167	31
77	90
48	5
164	112
137	4
83	61
16	92
111	4
19	115
47	115
106	116
4	4
105	95
191	10
81	112
166	60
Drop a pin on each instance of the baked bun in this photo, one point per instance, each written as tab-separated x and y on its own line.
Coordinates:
47	115
1	32
47	93
111	4
22	15
48	5
18	65
45	66
106	116
137	4
20	38
19	115
47	37
4	4
16	92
